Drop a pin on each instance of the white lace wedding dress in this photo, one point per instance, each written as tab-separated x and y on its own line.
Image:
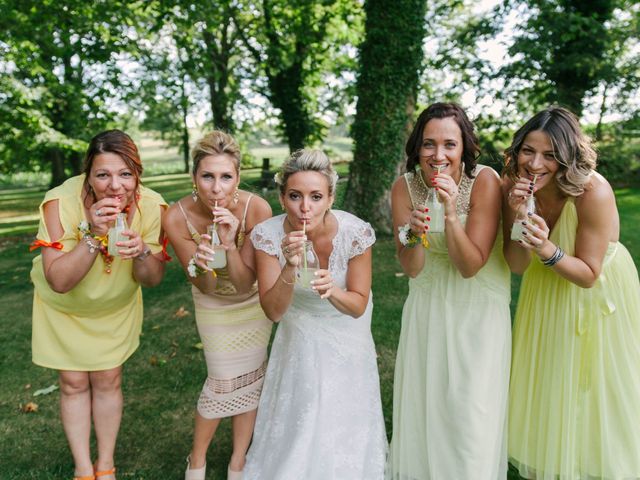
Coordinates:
320	415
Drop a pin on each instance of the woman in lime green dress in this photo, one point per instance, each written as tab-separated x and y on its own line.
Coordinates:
87	303
575	378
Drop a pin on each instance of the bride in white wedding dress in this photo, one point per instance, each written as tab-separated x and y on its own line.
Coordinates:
320	414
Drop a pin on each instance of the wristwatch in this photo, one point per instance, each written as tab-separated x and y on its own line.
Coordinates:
145	253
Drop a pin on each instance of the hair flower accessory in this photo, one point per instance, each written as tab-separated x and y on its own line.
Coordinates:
278	178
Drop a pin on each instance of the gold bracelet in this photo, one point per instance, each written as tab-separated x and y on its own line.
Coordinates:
284	281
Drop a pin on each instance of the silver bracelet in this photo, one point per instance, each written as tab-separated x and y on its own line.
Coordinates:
555	258
88	239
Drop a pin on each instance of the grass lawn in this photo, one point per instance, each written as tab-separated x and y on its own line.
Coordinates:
162	380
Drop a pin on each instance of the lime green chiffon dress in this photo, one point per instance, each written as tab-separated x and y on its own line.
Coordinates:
574	405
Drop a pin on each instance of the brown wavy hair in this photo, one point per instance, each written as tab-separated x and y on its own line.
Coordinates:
117	142
572	149
470	144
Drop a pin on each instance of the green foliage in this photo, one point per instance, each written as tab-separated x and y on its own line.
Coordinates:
390	62
63	53
562	51
619	152
163	378
293	43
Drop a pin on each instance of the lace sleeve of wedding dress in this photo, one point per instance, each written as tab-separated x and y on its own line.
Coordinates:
362	236
264	236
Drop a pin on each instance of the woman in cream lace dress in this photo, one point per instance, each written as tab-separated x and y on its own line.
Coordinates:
320	414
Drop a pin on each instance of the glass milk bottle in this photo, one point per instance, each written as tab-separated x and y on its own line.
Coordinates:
518	228
116	235
220	254
436	212
308	265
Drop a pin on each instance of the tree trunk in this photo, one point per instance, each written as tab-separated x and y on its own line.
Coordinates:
218	77
603	110
57	167
391	58
75	160
286	94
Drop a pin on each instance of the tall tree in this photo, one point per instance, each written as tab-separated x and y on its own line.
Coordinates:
390	63
290	40
559	52
68	52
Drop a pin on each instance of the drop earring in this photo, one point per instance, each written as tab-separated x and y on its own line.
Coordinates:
236	197
194	193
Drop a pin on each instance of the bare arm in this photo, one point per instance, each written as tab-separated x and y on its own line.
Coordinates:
354	299
469	246
275	285
148	271
242	271
64	270
176	230
411	258
598	224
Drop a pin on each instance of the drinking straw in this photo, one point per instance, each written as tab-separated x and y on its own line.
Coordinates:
304	228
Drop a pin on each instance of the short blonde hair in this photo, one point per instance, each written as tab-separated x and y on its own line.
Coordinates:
573	150
307	160
216	142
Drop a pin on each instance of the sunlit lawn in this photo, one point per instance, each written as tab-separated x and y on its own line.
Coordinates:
164	377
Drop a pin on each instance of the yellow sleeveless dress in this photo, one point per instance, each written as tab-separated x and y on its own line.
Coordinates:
575	379
96	325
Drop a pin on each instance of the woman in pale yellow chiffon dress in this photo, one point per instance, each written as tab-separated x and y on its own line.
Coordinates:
452	367
575	381
233	328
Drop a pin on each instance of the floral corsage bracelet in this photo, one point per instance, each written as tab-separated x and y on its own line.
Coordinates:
410	239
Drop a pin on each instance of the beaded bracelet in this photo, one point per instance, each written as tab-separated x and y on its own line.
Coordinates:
88	239
555	258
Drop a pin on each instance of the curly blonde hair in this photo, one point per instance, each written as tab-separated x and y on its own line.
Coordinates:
571	146
216	142
307	160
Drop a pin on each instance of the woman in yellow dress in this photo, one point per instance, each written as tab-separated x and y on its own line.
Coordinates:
87	304
575	382
234	330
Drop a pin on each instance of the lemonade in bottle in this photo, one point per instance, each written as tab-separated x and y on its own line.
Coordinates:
220	254
308	266
116	234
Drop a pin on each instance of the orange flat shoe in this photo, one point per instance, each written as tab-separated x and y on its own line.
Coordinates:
88	477
104	473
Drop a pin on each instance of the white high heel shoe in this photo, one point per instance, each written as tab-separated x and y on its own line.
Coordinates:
195	473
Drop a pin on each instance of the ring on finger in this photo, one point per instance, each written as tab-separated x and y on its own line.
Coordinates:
98	212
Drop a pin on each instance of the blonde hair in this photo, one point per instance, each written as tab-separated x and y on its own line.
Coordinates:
572	148
307	160
215	143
